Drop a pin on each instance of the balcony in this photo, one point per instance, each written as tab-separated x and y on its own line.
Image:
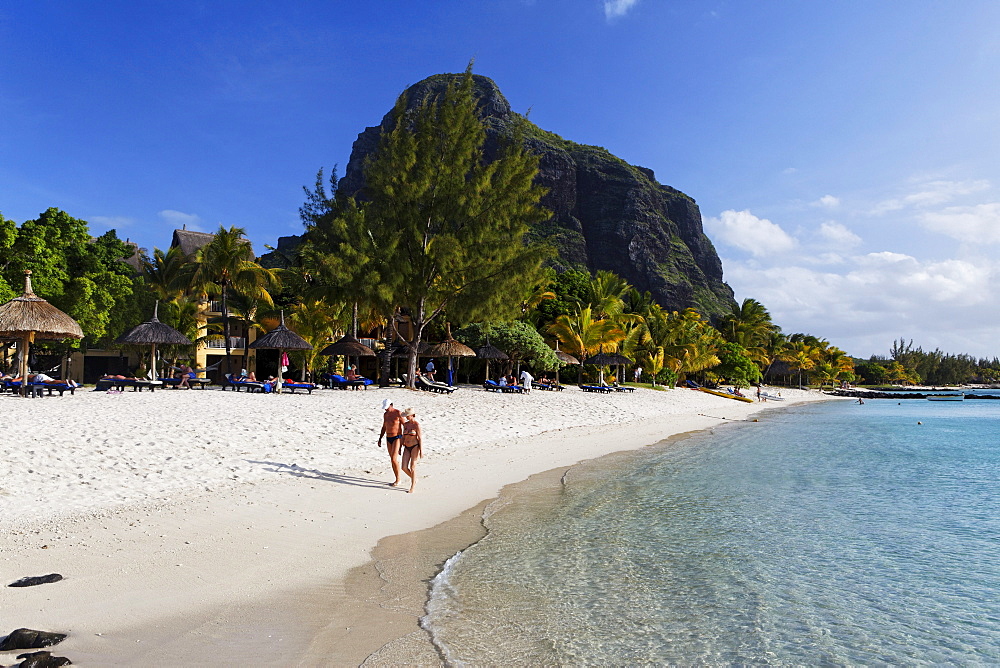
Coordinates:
234	342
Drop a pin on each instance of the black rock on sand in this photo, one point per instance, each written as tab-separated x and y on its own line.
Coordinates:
30	639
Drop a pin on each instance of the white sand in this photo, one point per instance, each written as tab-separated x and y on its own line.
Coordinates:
186	522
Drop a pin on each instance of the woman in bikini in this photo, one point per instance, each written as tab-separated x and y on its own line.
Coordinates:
412	442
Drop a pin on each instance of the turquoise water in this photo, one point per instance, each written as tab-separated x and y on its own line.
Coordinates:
824	534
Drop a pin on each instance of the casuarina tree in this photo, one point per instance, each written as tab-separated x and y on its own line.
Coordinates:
439	224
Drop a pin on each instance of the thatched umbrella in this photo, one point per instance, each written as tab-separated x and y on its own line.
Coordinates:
29	317
348	346
602	360
281	339
153	332
489	352
565	358
450	348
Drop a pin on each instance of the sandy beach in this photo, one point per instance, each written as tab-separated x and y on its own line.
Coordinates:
197	527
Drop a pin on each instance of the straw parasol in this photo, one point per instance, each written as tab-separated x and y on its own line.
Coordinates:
565	358
28	318
450	348
281	339
489	352
153	332
602	360
348	346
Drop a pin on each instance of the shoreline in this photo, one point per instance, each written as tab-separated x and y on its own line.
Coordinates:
262	570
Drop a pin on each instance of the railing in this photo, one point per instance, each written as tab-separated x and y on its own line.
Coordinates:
215	307
234	342
368	342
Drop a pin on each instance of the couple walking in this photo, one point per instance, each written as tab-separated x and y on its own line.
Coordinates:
403	439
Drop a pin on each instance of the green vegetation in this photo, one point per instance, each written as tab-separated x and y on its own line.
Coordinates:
440	230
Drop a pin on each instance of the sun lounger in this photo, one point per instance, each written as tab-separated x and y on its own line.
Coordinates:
39	389
621	388
596	388
193	382
440	388
292	387
552	387
120	384
56	387
248	385
338	382
492	386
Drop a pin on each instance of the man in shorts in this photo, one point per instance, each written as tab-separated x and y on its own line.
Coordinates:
392	429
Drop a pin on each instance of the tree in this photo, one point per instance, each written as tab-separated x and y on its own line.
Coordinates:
315	322
440	226
227	263
800	355
8	233
736	365
571	288
82	276
519	340
749	325
167	274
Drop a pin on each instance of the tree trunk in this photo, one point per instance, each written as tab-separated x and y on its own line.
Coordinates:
225	330
417	320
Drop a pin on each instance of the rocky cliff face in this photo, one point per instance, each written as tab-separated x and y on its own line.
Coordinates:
606	213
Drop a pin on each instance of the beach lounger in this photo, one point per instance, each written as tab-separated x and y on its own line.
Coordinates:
56	387
551	387
338	382
596	388
492	386
439	388
121	383
622	388
193	382
292	387
248	385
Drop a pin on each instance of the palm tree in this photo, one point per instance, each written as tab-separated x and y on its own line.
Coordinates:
800	355
316	322
749	325
167	273
227	263
607	294
582	335
774	347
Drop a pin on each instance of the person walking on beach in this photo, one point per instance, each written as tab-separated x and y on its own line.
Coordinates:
413	440
430	370
526	379
392	429
638	373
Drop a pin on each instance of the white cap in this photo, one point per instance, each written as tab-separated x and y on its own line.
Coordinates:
386	403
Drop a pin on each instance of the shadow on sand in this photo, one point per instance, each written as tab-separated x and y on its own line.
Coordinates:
315	474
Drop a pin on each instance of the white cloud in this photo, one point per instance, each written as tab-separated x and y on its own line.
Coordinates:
979	224
930	193
872	299
179	219
746	231
614	9
827	201
838	235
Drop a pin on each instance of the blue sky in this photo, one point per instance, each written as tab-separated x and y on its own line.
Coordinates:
845	155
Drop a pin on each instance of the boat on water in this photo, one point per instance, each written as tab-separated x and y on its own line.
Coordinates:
727	395
960	396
